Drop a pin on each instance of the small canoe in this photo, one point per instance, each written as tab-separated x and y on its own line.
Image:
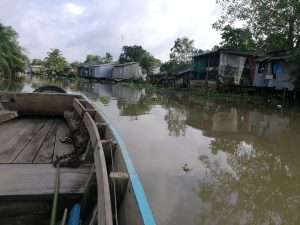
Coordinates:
48	130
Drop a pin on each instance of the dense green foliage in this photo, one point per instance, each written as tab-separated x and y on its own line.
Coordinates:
274	25
180	55
237	38
55	63
107	59
12	56
136	53
37	62
268	26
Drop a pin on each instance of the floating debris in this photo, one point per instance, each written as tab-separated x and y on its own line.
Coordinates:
186	169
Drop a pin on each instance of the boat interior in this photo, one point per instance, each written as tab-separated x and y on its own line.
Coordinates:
40	134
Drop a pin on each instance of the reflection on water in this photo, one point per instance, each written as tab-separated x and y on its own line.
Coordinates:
11	84
176	120
244	162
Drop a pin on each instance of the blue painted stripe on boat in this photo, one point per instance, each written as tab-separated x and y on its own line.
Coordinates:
143	203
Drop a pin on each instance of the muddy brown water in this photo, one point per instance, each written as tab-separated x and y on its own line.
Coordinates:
204	162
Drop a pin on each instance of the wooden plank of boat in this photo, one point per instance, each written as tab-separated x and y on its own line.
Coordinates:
61	133
21	180
37	103
10	150
45	153
32	148
10	129
104	202
7	115
25	220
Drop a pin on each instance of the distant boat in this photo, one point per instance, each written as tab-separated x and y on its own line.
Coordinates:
41	131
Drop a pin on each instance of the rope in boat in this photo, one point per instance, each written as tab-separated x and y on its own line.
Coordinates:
114	183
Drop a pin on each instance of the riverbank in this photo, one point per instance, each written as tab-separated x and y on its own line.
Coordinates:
250	99
203	94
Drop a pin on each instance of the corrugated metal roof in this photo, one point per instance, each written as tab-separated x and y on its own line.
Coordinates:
88	64
232	51
126	64
106	64
184	71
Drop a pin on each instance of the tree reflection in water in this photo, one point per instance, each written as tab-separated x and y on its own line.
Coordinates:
175	117
255	187
11	84
176	120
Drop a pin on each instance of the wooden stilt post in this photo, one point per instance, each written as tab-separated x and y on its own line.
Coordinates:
207	70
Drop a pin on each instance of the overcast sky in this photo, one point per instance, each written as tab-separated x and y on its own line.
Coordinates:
86	27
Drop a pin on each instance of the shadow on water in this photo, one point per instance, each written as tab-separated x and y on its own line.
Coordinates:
203	161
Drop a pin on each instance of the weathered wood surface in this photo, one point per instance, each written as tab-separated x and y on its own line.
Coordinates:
7	115
45	154
118	181
61	133
33	140
92	129
32	148
38	179
11	149
37	103
104	203
9	129
19	208
25	220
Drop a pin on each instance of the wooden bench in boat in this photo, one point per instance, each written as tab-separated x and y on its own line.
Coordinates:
36	181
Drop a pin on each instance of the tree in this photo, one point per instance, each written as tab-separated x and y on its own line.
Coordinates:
148	63
276	23
39	62
172	66
180	56
55	62
237	38
137	54
216	47
132	54
107	59
12	55
91	58
182	50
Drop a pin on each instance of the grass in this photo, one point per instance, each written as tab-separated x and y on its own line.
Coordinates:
104	99
229	97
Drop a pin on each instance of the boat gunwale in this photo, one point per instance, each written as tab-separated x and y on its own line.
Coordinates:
139	193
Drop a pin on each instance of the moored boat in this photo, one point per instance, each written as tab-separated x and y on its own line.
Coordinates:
40	132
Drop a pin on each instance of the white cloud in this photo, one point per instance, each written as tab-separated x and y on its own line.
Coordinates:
73	8
86	27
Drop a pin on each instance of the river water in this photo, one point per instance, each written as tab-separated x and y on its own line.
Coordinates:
203	161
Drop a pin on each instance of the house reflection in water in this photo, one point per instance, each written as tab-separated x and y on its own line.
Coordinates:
237	121
128	94
114	91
